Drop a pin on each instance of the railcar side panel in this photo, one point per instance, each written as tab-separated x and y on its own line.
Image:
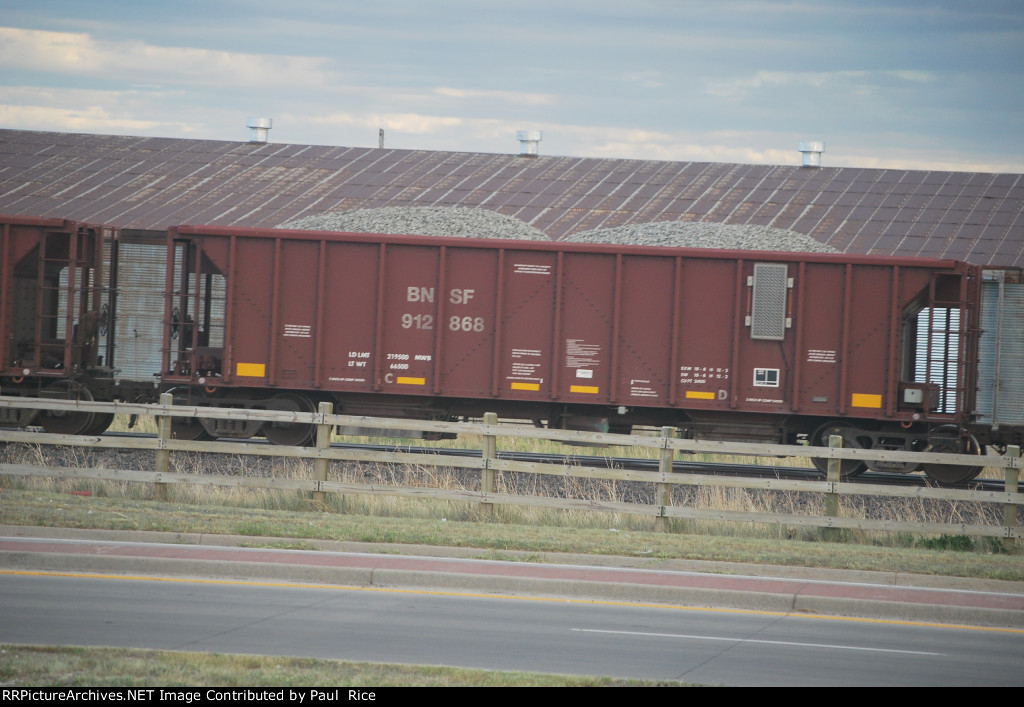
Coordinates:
819	360
645	322
466	347
254	288
297	289
586	316
409	320
527	320
706	346
766	339
347	330
867	348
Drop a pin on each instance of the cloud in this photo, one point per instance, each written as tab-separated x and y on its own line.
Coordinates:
645	79
860	81
411	123
89	119
766	147
76	54
514	97
71	110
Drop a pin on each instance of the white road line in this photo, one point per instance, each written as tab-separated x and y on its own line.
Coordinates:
753	640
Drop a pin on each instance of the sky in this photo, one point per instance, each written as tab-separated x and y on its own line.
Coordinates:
903	84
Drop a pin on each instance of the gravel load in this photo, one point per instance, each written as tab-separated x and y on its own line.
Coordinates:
483	223
422	221
704	234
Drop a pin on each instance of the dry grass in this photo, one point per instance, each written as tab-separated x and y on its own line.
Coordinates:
431	477
522	516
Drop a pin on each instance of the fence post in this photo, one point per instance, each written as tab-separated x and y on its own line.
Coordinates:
488	451
1011	485
663	491
321	464
163	454
832	498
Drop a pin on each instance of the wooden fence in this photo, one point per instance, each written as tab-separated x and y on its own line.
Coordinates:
488	464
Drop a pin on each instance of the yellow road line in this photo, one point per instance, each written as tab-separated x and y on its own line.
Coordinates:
478	595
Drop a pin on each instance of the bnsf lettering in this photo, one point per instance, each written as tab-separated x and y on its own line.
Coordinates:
460	296
419	294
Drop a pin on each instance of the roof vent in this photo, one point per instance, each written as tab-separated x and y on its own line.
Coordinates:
811	150
528	142
258	128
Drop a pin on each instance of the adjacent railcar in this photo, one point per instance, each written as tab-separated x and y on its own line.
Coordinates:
738	345
55	318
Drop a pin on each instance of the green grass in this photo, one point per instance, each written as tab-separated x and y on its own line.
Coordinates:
30	666
305	529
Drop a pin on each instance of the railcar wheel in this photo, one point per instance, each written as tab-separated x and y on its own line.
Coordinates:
848	468
290	434
101	422
948	441
67	422
190	429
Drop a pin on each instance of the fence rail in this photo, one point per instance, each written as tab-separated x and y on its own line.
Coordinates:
488	465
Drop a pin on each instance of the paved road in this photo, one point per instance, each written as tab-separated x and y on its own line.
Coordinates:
714	584
465	629
662	620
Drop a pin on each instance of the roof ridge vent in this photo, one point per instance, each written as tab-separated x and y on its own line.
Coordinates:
258	128
529	141
811	150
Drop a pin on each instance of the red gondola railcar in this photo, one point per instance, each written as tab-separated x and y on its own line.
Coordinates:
737	345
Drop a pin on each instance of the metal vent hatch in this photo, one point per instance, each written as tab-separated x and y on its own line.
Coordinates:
768	310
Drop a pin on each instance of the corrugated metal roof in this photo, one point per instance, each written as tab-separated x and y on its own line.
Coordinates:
153	183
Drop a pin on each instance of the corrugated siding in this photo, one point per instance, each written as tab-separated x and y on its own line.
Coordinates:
140	306
1000	377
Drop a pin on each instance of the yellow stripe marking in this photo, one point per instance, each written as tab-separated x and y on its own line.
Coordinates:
411	381
506	597
583	389
525	386
861	400
252	370
700	394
